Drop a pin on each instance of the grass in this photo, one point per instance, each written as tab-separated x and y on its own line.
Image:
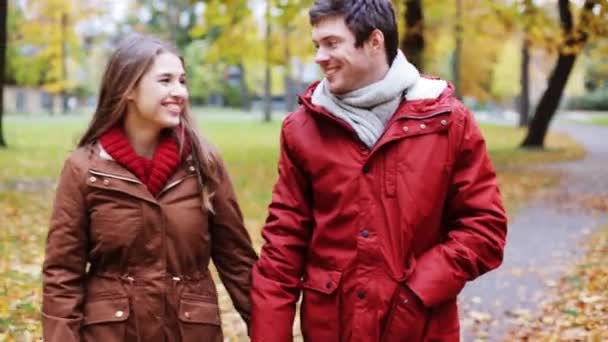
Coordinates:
39	144
503	142
517	177
600	120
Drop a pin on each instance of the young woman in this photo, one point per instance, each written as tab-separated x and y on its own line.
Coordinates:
141	207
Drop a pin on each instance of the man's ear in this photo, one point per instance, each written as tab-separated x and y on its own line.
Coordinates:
376	41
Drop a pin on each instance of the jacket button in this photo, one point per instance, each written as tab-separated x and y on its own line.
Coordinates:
106	182
365	233
328	285
93	179
191	168
422	126
187	315
361	294
444	122
119	314
405	128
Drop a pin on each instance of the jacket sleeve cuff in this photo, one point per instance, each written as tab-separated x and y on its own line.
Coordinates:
273	311
434	280
272	326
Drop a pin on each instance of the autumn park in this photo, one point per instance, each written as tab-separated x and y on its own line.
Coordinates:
533	73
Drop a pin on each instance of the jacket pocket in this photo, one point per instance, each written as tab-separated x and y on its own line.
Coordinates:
443	323
321	280
320	307
407	318
105	319
199	318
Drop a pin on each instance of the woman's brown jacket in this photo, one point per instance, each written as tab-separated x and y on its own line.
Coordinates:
123	265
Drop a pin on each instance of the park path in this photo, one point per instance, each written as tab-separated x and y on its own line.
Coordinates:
545	237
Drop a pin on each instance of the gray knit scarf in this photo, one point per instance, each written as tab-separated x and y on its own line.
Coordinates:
368	109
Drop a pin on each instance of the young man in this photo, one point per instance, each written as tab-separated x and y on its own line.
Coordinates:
386	202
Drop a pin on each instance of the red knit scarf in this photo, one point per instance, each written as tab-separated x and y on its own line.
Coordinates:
153	173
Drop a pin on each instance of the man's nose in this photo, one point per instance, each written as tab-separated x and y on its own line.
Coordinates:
321	56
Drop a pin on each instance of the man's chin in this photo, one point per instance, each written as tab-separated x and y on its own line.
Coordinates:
335	88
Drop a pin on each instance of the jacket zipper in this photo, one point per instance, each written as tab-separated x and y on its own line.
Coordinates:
377	146
423	117
103	174
173	184
349	128
166	188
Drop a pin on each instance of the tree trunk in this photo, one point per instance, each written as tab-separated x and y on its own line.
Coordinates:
267	85
457	50
64	66
246	103
413	41
549	102
290	91
4	41
524	97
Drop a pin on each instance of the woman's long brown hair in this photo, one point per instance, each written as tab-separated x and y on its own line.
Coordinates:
132	59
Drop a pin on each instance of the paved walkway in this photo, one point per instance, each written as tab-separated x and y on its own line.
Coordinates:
544	239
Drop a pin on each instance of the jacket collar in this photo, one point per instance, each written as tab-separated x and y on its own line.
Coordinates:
413	109
103	154
104	163
122	180
425	101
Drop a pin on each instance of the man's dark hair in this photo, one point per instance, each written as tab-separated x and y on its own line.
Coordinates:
362	17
